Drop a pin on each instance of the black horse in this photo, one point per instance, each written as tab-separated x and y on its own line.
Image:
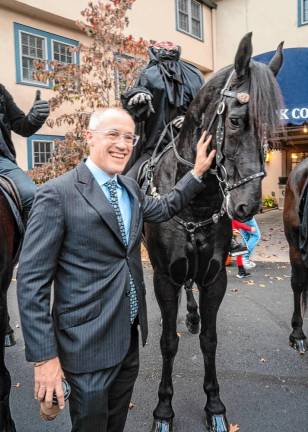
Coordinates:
9	235
297	193
239	107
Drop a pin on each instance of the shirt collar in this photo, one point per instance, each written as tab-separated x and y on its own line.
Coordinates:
100	175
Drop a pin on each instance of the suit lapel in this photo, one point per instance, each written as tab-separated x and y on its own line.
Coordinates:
96	198
135	216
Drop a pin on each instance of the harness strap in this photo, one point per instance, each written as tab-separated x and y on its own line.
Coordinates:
191	228
245	180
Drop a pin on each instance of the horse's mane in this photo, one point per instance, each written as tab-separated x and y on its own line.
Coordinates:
264	105
266	101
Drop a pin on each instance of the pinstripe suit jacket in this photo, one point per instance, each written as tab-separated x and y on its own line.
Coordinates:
73	240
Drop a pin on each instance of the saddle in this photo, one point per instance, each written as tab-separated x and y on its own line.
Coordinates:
146	171
303	228
9	190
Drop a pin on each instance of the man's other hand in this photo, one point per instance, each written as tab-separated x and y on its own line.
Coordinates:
47	380
203	162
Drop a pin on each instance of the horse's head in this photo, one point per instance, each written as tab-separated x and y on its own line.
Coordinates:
252	105
240	107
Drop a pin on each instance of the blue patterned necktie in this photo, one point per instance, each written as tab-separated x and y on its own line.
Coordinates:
114	201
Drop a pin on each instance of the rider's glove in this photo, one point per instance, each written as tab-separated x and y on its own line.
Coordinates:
139	99
178	122
39	111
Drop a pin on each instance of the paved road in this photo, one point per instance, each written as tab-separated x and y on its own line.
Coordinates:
263	382
273	245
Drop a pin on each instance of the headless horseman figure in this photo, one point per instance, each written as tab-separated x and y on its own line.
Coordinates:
13	119
161	94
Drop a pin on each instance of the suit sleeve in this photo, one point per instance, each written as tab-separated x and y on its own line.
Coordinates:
37	266
18	120
156	210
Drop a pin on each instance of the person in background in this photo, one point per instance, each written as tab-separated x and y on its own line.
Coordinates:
161	94
13	119
252	238
240	258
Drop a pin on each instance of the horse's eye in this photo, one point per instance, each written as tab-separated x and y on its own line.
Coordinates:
234	121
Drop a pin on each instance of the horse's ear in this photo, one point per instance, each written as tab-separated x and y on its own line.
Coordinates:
277	60
243	56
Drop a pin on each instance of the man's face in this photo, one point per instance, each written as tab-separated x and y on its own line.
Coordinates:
110	147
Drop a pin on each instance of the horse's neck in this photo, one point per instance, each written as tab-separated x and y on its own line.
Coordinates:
186	153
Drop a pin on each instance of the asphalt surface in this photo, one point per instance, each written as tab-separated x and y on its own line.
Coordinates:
263	382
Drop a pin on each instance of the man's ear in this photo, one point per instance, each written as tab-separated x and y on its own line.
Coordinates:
89	136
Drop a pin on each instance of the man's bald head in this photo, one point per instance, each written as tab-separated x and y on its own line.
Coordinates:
99	117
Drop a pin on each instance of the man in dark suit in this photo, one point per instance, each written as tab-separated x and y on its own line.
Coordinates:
84	234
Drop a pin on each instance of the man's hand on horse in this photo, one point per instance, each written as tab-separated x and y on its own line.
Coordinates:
178	122
47	380
203	161
139	99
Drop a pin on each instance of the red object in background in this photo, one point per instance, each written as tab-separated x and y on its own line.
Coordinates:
239	225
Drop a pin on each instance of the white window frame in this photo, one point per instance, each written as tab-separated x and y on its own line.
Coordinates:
189	32
38	140
23	80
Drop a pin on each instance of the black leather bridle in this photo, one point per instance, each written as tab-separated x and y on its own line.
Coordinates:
219	171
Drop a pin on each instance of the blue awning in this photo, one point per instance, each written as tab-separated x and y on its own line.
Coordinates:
293	81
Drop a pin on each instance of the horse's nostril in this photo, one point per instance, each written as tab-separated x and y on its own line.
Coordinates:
241	211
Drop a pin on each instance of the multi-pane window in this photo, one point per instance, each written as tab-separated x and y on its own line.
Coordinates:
189	17
305	11
34	45
40	148
183	15
33	48
63	53
42	151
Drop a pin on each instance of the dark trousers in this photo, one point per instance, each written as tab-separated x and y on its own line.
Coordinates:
26	187
99	401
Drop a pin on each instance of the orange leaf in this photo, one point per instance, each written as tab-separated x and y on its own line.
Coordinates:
234	428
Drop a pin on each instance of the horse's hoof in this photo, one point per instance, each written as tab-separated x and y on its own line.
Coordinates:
299	345
162	425
193	325
9	340
216	423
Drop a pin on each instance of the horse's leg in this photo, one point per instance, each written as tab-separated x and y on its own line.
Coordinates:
192	317
6	422
211	295
167	297
299	283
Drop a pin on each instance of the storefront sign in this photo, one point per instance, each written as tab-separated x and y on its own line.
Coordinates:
294	114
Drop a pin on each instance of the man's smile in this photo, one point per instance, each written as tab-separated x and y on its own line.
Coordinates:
117	155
